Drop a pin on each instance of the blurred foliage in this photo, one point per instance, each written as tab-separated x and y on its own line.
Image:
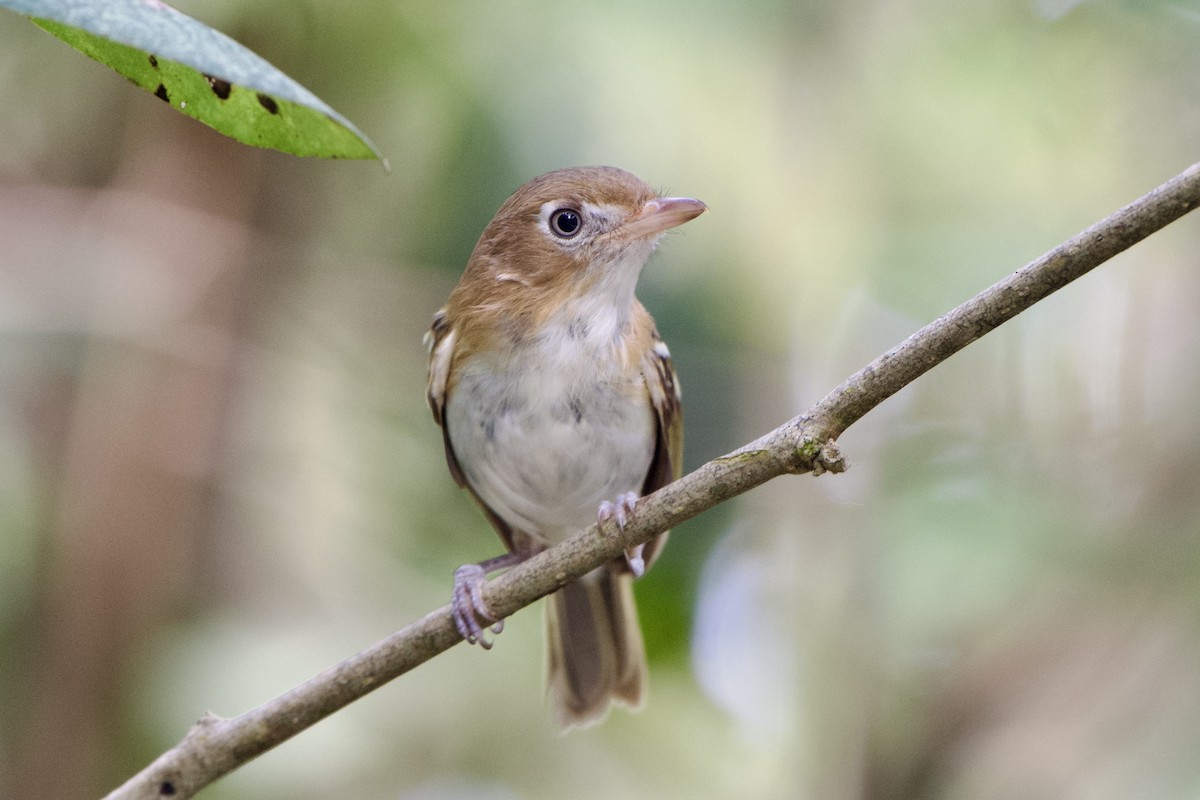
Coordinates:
219	476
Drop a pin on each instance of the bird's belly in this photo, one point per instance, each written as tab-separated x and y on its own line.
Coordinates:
543	451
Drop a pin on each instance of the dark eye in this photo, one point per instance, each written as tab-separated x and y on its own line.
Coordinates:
566	222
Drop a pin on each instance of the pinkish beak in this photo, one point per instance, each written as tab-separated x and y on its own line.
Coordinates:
661	214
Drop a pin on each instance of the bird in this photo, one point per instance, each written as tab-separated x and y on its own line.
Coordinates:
559	407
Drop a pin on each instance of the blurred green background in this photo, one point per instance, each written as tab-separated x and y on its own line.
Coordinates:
218	475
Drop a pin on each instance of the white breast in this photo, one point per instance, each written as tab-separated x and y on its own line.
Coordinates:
547	434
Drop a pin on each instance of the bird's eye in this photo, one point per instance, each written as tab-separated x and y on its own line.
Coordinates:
566	223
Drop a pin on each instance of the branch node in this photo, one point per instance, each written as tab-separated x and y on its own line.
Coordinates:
829	458
207	723
815	455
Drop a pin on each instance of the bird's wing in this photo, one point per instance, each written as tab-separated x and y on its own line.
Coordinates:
667	464
440	340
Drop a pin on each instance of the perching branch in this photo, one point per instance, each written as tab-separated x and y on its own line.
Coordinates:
216	746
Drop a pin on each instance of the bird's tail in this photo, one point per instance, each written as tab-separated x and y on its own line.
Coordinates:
594	646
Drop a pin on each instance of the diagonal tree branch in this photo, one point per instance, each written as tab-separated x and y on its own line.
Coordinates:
216	746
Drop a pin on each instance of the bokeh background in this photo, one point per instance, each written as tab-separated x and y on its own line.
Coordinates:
218	475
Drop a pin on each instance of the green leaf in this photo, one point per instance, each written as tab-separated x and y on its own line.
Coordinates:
202	73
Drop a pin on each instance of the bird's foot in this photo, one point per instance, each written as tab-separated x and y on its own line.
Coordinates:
471	614
619	510
637	564
622	510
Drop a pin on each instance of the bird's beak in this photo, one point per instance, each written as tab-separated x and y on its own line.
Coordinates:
663	213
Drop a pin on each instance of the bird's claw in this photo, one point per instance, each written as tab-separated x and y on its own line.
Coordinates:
622	510
471	614
637	564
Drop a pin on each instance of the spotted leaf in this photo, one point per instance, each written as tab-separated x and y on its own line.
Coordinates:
202	73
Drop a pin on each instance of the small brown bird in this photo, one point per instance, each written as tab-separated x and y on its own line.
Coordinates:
559	407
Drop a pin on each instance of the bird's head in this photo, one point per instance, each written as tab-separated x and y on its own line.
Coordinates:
574	231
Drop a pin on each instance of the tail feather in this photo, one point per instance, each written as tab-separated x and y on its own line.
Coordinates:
595	650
